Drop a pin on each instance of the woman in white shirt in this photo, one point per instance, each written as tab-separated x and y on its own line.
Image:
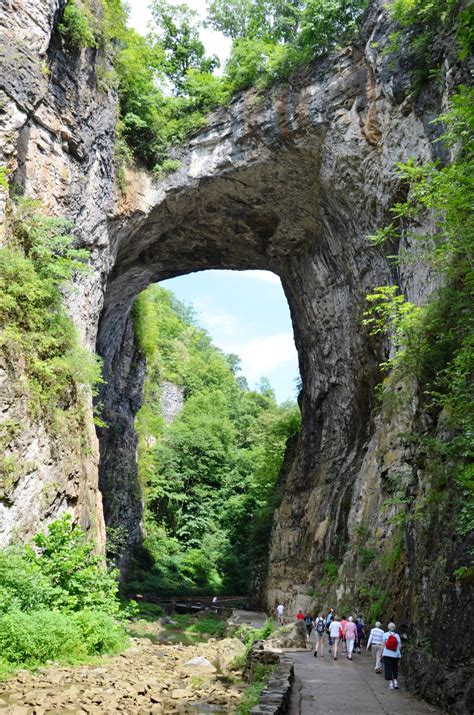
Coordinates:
334	633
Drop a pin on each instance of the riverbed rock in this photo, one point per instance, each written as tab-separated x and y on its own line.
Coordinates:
290	636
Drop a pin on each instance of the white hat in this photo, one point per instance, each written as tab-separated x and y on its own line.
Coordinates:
391	626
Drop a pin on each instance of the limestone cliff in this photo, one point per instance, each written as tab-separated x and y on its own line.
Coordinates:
290	182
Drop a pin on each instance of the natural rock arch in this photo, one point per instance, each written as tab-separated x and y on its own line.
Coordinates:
292	182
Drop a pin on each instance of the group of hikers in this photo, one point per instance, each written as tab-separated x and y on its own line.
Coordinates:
348	634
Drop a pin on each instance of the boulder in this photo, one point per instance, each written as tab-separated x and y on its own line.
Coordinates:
290	636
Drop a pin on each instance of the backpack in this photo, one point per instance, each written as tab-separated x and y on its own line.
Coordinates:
320	624
308	620
391	642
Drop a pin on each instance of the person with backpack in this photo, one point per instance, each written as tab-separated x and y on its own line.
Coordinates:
308	619
319	629
376	641
391	655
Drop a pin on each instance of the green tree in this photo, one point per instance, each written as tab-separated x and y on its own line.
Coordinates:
178	32
327	23
209	476
77	575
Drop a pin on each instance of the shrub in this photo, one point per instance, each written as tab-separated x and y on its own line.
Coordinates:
35	637
78	577
22	585
100	633
76	27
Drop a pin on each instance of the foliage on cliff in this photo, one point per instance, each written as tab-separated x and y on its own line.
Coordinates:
208	477
434	343
167	83
38	340
57	601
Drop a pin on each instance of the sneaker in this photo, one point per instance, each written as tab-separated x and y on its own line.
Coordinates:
395	684
315	654
390	687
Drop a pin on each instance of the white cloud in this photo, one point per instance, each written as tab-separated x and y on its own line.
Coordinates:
220	323
261	356
265	276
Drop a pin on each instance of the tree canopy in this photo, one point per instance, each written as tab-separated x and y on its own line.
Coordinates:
208	477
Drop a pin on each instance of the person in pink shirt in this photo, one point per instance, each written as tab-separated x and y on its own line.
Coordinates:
350	634
343	629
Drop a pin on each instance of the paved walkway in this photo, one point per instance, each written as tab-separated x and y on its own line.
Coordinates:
343	687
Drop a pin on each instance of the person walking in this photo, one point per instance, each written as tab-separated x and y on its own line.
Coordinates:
335	632
343	627
319	628
392	652
350	635
308	619
329	618
300	615
376	641
360	632
280	613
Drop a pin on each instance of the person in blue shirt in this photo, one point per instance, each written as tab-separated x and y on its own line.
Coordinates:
391	654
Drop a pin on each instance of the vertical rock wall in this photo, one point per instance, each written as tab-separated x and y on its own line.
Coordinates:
56	139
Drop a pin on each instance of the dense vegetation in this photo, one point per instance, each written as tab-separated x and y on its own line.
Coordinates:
167	83
39	344
434	343
57	601
208	477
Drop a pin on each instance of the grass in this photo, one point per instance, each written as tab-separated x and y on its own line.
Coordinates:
148	611
260	675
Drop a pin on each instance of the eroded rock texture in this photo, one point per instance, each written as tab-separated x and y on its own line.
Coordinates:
56	138
292	182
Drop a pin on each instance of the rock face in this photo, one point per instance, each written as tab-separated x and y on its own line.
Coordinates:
56	138
291	182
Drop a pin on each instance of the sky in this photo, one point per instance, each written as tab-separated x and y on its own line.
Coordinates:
246	313
214	42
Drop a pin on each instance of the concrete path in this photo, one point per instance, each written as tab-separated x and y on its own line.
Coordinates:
345	687
256	619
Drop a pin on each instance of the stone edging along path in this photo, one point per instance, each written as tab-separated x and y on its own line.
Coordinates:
275	698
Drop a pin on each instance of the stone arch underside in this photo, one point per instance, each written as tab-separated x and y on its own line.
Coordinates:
293	187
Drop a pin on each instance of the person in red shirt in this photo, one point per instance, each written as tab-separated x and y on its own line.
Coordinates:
300	616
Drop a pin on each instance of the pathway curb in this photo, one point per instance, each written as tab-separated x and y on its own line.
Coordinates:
275	698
